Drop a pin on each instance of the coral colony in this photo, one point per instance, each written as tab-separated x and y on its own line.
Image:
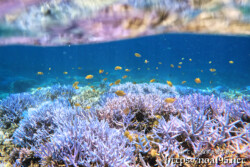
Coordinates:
145	125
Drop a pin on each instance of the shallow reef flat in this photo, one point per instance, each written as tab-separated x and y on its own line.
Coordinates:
127	124
61	22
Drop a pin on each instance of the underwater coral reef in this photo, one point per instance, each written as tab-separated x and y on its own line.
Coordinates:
147	125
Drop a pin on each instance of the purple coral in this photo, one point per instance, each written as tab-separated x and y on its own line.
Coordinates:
87	143
61	133
41	122
12	108
139	98
203	122
134	110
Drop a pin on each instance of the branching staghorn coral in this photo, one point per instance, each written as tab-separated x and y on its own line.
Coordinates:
15	107
38	125
135	111
137	114
87	143
41	123
12	109
23	157
204	123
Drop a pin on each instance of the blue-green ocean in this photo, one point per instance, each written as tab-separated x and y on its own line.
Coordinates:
217	60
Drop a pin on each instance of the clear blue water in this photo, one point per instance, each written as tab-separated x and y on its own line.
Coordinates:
19	64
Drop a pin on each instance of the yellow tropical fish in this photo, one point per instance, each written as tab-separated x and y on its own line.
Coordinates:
87	107
77	104
156	68
183	82
126	111
152	80
138	69
137	55
39	88
93	90
182	58
101	71
179	66
171	65
106	73
125	76
79	68
39	73
75	84
201	70
210	62
154	153
148	68
92	86
155	123
76	87
158	116
159	62
127	70
117	81
65	72
146	61
120	93
170	100
49	69
212	69
231	62
180	63
169	83
190	59
130	137
197	80
134	82
105	79
149	137
126	133
89	77
118	68
111	84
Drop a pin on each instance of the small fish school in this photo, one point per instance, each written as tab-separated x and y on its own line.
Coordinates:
145	61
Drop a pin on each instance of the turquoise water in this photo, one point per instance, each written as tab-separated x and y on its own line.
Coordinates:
19	64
